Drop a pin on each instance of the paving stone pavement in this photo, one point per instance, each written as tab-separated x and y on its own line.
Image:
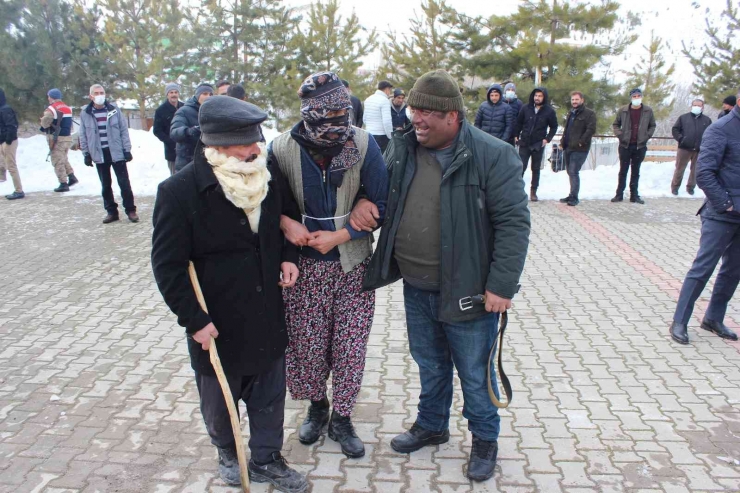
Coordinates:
96	391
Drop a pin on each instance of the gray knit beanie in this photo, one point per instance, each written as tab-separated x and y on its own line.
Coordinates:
172	86
203	88
436	90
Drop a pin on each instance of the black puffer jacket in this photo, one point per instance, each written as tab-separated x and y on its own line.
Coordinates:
496	119
8	121
534	127
185	131
689	129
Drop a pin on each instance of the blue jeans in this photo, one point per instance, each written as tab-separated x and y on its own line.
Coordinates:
574	161
719	239
436	346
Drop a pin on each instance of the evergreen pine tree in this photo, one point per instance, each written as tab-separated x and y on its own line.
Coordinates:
653	76
717	63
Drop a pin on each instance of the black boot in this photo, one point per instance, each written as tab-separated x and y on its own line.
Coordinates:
565	200
63	187
574	202
228	466
416	438
718	328
533	195
618	198
342	431
277	473
680	332
110	218
316	419
636	199
482	460
72	179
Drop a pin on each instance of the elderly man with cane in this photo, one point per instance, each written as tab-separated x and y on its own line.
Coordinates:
456	231
222	213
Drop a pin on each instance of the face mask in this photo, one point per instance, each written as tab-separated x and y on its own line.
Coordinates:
329	132
696	110
99	100
510	94
636	102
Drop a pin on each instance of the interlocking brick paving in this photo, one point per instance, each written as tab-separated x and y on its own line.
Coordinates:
97	394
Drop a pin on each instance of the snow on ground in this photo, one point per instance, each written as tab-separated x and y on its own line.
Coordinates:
149	168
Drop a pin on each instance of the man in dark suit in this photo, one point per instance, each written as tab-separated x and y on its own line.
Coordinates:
718	175
222	212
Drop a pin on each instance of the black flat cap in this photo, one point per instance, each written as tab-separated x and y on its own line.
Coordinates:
228	121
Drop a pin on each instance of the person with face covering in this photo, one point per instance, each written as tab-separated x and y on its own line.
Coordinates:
326	160
222	213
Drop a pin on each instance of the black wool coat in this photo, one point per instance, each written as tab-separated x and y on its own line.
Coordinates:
162	121
238	270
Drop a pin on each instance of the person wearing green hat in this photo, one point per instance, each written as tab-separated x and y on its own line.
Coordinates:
456	227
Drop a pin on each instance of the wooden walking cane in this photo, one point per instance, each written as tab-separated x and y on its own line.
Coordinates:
216	362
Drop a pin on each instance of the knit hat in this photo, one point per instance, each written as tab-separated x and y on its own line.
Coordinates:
436	90
172	86
511	86
731	100
229	122
636	90
322	91
54	93
398	92
203	88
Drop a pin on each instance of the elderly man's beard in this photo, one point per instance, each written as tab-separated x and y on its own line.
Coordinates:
245	184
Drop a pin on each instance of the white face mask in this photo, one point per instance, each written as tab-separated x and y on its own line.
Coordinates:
99	100
636	102
510	94
696	110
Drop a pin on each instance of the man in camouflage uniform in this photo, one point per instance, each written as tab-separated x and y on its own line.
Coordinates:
56	123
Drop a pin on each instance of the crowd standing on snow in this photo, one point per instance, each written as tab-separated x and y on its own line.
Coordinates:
280	238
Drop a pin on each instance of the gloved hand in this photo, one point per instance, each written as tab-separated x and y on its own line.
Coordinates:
88	160
127	156
194	132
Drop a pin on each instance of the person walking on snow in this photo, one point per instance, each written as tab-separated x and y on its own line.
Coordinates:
688	132
104	141
56	123
633	126
8	147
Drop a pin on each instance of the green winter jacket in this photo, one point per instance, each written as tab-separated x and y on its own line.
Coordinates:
484	220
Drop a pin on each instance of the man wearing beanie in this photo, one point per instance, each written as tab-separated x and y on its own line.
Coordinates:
222	213
457	227
56	123
727	104
184	129
633	126
163	119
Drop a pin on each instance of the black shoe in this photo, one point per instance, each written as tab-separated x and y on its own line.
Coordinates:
482	460
277	473
573	202
63	187
416	438
690	190
618	198
680	332
316	419
674	191
110	218
636	199
533	195
565	200
718	328
15	196
342	431
133	217
72	180
228	466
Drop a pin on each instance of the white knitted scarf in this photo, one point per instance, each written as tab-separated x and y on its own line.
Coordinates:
244	183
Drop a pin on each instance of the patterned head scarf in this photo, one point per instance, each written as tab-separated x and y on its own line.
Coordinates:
333	137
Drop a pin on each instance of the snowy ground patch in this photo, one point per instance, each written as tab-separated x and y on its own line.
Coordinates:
149	168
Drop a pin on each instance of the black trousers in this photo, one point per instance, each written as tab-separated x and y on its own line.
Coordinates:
382	141
109	202
630	158
264	395
536	154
